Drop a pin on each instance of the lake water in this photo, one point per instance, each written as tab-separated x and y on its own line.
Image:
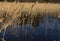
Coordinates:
47	30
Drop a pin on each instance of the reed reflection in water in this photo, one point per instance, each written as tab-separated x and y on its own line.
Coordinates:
41	28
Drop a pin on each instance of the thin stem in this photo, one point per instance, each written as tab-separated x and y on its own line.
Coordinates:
4	34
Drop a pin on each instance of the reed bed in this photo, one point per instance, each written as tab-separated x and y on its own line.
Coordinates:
26	13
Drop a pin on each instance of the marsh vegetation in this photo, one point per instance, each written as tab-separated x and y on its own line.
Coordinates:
34	14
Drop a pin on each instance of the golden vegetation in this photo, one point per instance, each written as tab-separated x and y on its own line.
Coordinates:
9	12
26	13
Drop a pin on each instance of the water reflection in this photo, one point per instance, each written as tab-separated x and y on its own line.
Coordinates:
46	28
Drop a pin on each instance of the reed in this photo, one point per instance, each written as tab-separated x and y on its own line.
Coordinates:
26	13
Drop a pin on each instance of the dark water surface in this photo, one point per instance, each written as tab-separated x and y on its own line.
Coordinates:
47	30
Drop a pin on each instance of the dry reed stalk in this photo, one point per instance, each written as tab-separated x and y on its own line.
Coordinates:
12	11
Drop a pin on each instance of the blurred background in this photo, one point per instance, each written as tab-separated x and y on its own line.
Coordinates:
46	1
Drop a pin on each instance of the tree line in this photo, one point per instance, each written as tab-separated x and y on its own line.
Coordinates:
52	1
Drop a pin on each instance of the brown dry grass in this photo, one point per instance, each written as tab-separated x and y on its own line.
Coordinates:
13	10
22	13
